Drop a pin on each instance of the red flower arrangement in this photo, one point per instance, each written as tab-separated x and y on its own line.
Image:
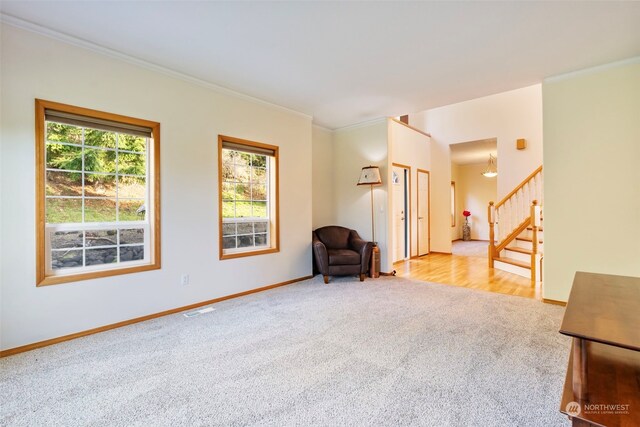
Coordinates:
466	213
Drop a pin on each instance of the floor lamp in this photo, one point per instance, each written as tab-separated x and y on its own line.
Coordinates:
370	176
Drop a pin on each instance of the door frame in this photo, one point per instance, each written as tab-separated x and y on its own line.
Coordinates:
418	172
408	217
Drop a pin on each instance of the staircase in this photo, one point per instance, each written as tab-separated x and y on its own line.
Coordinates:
516	230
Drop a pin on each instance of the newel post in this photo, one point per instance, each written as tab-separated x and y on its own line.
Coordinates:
535	223
491	214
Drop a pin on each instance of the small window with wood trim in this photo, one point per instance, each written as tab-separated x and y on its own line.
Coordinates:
453	203
98	194
248	205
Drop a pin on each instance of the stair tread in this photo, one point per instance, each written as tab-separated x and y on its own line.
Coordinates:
513	262
527	239
521	250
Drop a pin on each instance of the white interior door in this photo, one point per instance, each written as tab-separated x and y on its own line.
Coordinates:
423	213
399	214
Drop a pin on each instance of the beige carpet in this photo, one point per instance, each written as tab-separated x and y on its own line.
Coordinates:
389	351
474	248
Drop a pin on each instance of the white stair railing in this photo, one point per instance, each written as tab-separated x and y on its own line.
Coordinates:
513	213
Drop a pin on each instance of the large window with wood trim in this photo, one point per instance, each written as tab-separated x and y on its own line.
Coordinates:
98	194
248	188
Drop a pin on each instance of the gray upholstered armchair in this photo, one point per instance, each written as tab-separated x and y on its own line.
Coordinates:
339	251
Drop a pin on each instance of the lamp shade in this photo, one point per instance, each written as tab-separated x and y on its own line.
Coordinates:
370	175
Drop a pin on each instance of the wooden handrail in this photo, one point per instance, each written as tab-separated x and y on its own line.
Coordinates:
523	226
515	190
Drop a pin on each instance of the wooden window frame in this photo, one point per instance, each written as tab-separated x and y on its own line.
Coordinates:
453	203
274	223
42	279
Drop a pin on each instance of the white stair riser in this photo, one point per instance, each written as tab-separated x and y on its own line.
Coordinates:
529	233
510	268
516	255
528	245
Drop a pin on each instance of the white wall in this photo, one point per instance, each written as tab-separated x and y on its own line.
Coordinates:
474	193
506	116
409	148
354	148
191	117
592	175
322	177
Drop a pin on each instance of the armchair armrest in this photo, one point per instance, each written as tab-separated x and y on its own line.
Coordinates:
320	255
364	248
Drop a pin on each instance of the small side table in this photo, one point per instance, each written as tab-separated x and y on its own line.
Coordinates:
374	269
602	385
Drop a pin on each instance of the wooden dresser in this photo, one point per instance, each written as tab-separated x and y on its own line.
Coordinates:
602	386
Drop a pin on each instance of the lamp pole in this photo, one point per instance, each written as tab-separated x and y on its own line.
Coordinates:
370	175
373	228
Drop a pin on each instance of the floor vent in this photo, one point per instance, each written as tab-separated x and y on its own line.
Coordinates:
199	312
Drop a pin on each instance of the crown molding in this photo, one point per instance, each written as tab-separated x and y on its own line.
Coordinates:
592	70
84	44
323	128
361	124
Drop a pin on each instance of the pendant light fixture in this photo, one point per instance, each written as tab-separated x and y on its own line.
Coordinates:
492	170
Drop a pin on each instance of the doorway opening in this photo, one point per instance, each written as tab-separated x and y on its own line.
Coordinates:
471	193
424	206
401	182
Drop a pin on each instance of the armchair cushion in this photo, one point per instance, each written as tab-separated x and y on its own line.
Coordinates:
343	257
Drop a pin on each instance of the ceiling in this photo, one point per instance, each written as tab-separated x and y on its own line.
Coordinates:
473	152
349	62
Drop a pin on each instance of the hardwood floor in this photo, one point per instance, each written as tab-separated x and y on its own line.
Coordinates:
466	271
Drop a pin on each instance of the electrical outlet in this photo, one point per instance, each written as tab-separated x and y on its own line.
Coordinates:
184	279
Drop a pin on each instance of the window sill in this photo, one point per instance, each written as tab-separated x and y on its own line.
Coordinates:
249	253
55	280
